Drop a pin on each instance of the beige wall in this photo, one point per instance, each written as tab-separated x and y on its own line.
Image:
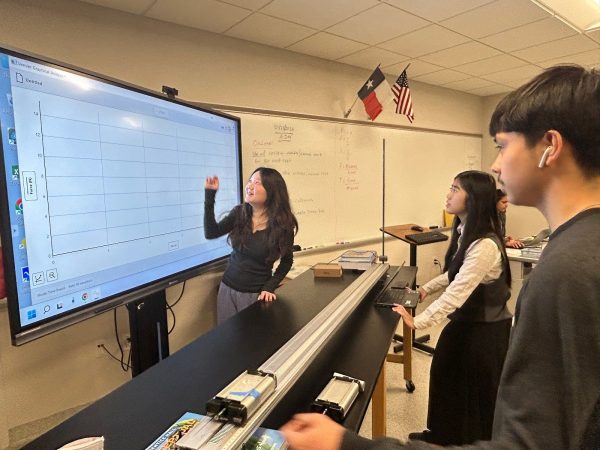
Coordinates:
65	369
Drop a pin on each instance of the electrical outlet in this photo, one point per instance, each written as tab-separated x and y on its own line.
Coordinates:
436	262
100	352
125	343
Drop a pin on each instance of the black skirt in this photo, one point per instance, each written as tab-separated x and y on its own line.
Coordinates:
464	378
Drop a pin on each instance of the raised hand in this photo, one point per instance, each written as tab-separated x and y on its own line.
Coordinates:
212	183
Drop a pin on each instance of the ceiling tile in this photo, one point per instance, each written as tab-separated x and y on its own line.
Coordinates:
436	10
326	46
529	35
461	54
426	40
514	39
528	71
130	6
269	30
377	24
490	90
369	58
582	14
557	49
493	64
587	59
317	14
416	68
442	77
595	35
247	4
208	15
514	84
468	84
495	17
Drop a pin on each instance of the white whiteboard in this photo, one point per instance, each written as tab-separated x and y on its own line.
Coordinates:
334	173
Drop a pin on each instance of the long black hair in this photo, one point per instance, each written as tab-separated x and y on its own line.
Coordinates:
281	219
482	220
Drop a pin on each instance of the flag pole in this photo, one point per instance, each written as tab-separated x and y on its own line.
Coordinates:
406	68
347	113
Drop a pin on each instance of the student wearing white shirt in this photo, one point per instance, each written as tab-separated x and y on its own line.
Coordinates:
468	359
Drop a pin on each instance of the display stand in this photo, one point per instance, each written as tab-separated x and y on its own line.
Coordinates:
149	334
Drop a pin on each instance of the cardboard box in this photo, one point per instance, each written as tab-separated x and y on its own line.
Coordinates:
322	270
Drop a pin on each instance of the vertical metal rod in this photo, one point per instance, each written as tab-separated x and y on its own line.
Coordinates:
382	257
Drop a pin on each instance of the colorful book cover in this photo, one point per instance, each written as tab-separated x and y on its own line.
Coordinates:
266	439
168	440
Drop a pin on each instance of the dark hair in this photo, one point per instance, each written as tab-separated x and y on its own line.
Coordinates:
281	219
564	98
482	220
500	194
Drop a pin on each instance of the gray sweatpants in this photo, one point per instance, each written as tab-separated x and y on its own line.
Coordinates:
231	302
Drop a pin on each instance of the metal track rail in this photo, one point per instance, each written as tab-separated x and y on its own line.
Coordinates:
290	361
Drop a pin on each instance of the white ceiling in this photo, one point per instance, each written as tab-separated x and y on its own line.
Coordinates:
483	47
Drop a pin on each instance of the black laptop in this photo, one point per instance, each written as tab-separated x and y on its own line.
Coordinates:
397	291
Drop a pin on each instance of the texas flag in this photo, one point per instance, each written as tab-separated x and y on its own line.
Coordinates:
374	93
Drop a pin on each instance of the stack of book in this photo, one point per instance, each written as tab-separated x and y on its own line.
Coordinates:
358	259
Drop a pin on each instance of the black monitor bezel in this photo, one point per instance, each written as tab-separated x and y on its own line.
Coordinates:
21	335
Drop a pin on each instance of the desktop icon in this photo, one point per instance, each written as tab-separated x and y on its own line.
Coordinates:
59	306
9	98
37	278
19	206
19	77
84	296
25	274
31	314
46	309
52	275
12	136
15	172
4	61
23	244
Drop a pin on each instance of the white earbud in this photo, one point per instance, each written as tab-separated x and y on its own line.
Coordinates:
542	162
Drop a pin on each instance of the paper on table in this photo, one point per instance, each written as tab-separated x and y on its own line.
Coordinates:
513	252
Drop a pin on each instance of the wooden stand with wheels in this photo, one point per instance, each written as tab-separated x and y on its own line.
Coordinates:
405	358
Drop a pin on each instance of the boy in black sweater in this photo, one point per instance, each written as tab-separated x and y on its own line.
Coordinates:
548	157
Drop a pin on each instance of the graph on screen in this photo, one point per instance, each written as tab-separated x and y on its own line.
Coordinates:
103	191
112	185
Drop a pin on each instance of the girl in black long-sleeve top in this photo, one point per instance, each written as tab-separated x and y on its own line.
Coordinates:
261	231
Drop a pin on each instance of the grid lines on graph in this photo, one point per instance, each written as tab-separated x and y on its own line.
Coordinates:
114	177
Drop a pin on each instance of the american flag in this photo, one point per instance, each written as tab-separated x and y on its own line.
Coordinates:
402	97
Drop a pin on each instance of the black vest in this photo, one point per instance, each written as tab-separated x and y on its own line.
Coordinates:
487	303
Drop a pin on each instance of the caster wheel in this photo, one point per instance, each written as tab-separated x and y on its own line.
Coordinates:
410	386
